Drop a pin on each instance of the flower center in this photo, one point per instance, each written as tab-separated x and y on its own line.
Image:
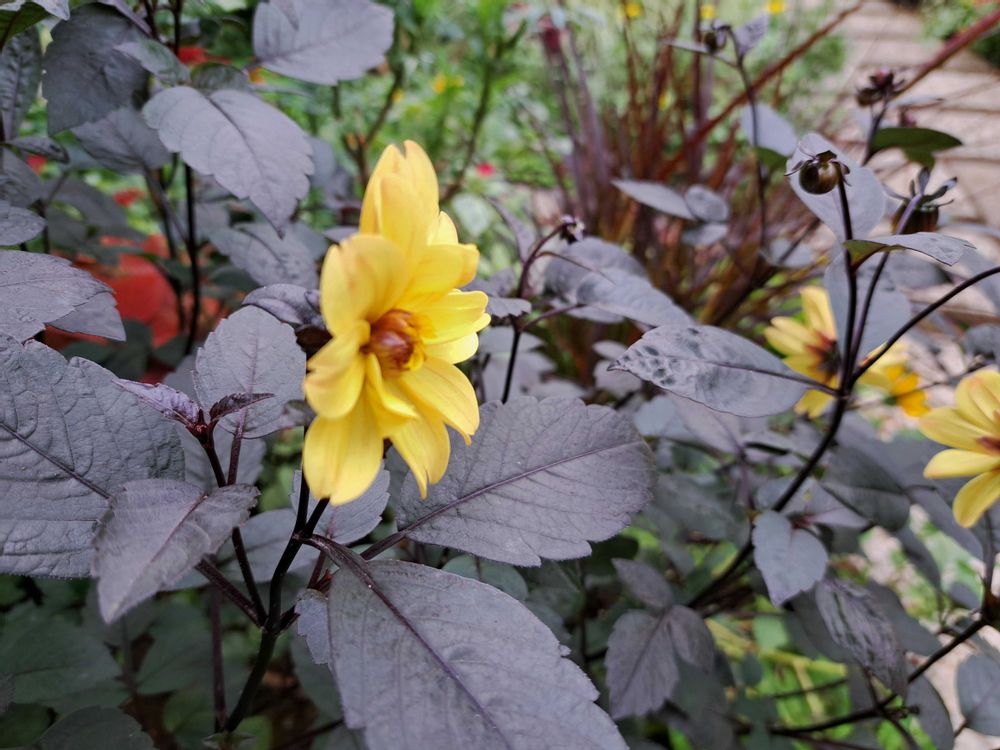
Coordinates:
991	444
827	355
395	340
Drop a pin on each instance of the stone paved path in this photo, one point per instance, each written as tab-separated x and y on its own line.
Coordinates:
966	94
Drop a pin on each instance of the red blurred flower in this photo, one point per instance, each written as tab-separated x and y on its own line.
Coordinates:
128	196
485	169
197	56
36	162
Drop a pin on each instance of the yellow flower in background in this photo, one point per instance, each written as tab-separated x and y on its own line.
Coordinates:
442	83
776	7
972	430
708	12
633	10
809	347
901	385
399	323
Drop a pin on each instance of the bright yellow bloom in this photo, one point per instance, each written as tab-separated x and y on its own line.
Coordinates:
902	386
399	324
440	83
707	12
776	7
809	347
972	429
633	10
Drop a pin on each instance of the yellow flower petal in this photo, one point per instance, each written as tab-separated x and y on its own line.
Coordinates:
440	269
361	280
443	389
423	443
914	403
817	310
341	457
389	406
794	328
813	403
455	315
949	427
978	399
958	463
400	219
333	393
443	232
457	350
390	162
976	497
416	170
784	342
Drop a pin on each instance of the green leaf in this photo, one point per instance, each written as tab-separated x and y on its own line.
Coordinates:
919	144
95	729
940	247
51	659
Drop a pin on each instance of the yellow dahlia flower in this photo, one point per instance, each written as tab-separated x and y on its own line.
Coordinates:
809	347
901	385
399	324
972	429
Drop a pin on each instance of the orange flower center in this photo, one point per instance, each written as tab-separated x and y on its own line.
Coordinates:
990	444
395	340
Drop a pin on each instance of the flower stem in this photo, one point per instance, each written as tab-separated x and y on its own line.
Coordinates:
272	627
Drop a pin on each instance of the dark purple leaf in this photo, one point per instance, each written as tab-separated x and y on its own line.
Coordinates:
85	77
169	402
155	532
322	41
456	663
235	402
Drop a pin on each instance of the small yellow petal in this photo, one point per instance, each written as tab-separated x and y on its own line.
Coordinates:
817	310
976	497
423	443
440	269
333	393
389	405
442	231
388	163
978	398
783	342
453	316
341	457
454	351
361	280
914	404
400	218
444	390
958	463
795	328
813	403
949	427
